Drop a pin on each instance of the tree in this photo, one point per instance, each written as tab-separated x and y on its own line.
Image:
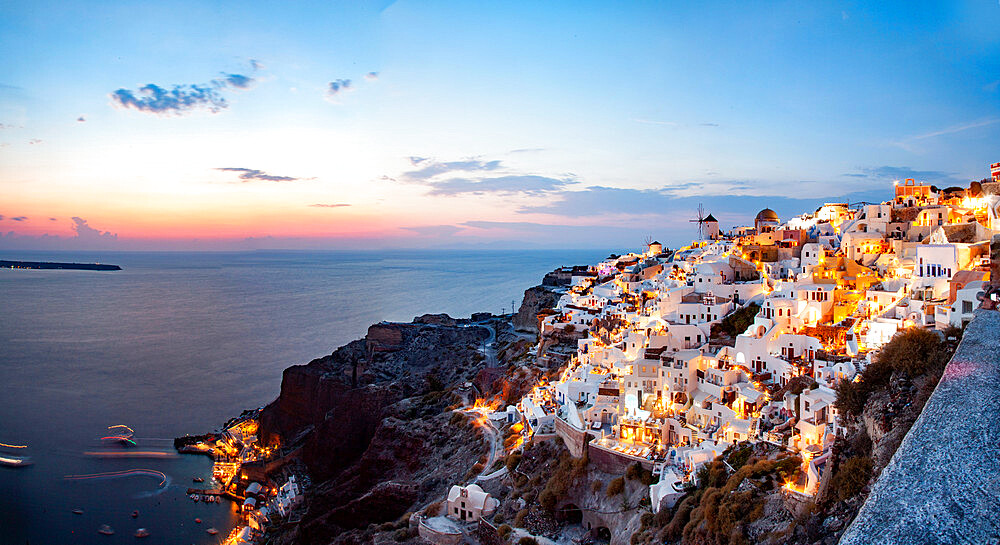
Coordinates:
851	397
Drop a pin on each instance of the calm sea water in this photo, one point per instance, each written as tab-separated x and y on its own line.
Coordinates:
177	343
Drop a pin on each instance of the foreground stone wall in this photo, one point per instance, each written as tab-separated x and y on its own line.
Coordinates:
943	483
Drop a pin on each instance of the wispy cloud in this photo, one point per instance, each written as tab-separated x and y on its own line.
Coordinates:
908	142
35	141
477	177
524	184
254	175
434	230
333	205
708	124
19	218
81	119
4	126
527	150
337	86
371	76
956	128
430	168
889	173
177	100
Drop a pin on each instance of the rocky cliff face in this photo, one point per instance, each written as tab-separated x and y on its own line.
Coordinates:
535	300
373	423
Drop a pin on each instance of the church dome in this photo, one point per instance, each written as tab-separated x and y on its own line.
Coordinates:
767	215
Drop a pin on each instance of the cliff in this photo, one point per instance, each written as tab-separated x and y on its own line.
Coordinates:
372	423
535	300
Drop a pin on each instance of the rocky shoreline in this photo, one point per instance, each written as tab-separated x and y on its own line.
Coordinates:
372	424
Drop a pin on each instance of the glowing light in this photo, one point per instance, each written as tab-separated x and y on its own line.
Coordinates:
13	446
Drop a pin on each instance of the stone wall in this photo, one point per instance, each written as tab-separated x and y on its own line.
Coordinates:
610	461
942	484
575	439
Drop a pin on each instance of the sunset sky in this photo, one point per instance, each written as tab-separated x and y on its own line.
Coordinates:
173	125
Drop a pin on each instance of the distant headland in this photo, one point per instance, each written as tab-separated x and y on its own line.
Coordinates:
54	265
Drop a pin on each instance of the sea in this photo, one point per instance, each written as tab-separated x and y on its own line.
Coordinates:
177	343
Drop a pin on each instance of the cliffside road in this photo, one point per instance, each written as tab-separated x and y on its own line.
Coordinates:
489	345
493	441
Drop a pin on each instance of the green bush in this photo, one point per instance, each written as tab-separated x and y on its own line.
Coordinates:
736	322
615	487
851	397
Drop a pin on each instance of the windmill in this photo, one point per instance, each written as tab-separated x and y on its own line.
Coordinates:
700	221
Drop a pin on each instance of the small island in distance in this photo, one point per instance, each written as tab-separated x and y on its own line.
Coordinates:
54	265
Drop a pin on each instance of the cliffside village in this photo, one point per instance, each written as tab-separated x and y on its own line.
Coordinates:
657	377
649	382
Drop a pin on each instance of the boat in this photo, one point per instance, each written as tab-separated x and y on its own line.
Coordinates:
212	531
198	480
142	532
105	530
194	497
78	511
135	513
198	521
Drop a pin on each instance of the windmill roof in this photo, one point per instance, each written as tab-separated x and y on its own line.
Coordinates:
710	217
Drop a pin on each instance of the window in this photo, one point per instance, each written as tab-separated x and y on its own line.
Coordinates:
966	307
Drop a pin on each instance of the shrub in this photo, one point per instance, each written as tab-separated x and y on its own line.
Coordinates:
504	530
519	518
634	471
596	486
527	541
615	487
852	477
914	351
851	397
712	474
512	461
739	456
676	527
647	520
433	509
736	322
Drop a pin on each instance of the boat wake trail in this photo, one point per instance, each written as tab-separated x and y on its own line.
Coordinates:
121	474
167	481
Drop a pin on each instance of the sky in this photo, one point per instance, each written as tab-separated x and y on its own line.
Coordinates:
227	126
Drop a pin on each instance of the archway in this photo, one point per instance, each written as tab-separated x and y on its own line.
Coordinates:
570	514
602	534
